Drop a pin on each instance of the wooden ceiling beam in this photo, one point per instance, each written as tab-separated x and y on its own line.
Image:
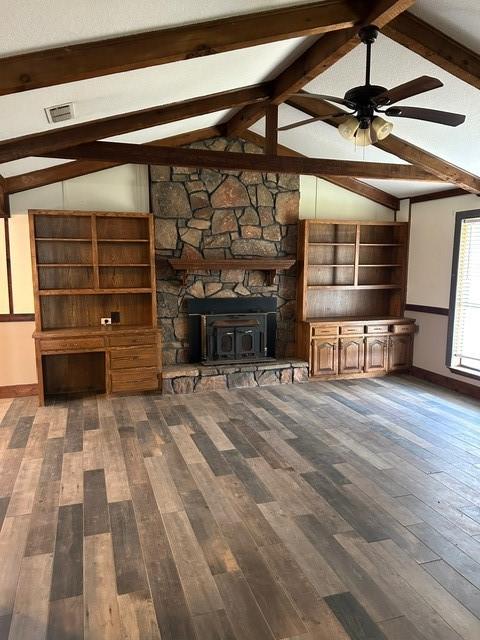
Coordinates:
350	184
48	141
171	156
125	53
77	168
435	46
330	48
438	168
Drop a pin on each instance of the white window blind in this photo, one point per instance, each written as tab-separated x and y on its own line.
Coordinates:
466	330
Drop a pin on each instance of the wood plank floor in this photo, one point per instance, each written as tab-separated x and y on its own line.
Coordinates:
322	511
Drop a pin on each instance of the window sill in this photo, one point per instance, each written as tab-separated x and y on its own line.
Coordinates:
467	373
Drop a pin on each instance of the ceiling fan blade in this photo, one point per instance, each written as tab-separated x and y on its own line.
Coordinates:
407	90
309	121
320	96
430	115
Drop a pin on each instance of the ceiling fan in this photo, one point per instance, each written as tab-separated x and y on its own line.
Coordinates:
362	125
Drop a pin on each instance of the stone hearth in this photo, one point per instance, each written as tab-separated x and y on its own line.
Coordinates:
222	215
196	378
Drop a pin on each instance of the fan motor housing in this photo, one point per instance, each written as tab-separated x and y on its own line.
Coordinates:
363	96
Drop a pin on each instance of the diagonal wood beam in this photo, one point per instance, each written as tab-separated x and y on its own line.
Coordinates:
77	168
114	55
150	154
351	184
438	168
435	46
319	57
48	141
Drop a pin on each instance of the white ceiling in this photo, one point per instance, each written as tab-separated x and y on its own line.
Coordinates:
36	24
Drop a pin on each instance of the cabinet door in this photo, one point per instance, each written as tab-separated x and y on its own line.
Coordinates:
376	350
324	357
351	355
400	352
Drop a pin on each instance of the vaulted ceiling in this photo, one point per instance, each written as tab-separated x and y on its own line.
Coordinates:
34	26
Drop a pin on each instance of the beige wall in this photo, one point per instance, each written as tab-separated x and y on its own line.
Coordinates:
321	199
122	188
429	271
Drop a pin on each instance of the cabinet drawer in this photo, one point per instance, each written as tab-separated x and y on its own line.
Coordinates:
403	328
351	329
325	330
376	328
132	340
71	344
134	380
133	358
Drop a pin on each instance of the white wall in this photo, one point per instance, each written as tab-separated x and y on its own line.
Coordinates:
429	272
123	188
322	199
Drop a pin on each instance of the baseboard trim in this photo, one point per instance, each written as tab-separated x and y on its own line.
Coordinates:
459	386
19	390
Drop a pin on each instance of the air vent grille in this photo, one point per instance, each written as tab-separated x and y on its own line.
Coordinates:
59	113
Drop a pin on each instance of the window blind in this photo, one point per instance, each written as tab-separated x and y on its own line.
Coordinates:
466	331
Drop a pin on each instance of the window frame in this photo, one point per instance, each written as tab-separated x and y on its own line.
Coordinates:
460	216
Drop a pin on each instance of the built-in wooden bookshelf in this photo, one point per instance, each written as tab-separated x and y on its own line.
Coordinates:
87	265
350	271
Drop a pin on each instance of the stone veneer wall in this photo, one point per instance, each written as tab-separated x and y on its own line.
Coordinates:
222	214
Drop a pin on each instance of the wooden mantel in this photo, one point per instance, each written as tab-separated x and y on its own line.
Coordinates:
270	265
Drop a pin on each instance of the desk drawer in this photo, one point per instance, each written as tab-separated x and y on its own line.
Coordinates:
133	358
131	340
377	328
71	344
351	329
134	380
325	330
403	328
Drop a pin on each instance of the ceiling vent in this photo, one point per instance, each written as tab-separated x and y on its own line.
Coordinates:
59	113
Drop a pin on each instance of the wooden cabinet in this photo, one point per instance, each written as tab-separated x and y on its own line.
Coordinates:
399	352
86	265
352	350
351	359
376	353
351	293
324	357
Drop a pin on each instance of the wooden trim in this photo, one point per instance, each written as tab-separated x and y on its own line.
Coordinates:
459	218
77	168
439	195
441	169
444	381
438	311
46	142
8	264
435	46
323	54
351	184
171	156
17	317
19	390
125	53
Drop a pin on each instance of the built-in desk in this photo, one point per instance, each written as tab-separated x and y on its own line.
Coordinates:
107	359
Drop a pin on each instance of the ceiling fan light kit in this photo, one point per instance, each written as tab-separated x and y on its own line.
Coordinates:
363	125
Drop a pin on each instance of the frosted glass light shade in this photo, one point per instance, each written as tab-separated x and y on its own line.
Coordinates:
382	128
363	137
349	128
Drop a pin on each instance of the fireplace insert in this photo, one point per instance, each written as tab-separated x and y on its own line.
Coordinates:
232	330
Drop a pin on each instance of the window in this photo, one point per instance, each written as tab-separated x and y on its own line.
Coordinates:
463	354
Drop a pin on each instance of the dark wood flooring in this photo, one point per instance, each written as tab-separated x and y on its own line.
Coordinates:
323	511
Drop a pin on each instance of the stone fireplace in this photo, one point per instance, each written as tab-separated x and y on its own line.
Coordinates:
214	214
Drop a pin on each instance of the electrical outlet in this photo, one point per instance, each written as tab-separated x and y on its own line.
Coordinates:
106	321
